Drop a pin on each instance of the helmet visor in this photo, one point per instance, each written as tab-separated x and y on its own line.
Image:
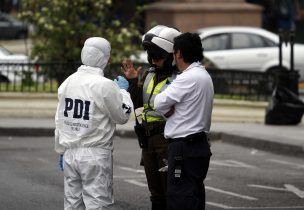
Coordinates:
156	54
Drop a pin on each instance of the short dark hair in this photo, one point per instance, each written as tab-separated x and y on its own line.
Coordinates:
190	47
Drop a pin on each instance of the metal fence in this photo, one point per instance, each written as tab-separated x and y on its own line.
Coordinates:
44	77
33	77
246	85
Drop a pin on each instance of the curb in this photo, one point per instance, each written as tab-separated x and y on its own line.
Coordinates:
263	144
35	132
249	142
49	132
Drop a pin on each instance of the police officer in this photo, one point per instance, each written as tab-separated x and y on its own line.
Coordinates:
158	42
189	101
89	107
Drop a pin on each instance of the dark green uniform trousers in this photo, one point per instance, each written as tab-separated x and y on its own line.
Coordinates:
153	157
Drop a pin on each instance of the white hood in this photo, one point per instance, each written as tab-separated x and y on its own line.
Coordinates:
96	52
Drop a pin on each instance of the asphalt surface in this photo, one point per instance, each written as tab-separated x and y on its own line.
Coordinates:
239	178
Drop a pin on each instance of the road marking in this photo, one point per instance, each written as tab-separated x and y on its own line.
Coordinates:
231	193
268	207
139	171
218	205
44	160
295	190
288	187
253	208
137	183
286	163
266	187
231	163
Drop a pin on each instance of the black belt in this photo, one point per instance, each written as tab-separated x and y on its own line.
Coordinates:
191	138
155	128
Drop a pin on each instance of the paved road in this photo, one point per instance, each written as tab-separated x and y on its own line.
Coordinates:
130	185
245	178
239	177
29	177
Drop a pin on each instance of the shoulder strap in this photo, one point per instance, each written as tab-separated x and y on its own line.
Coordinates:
136	120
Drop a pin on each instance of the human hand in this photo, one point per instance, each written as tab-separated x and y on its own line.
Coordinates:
61	162
129	70
122	82
170	112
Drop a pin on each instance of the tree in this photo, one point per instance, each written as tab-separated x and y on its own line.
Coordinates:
61	27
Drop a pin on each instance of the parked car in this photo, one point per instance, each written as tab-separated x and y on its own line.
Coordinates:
12	28
142	57
249	49
11	65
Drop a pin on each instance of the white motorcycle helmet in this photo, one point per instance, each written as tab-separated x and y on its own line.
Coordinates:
158	42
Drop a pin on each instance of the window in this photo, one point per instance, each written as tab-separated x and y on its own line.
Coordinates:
216	42
245	40
269	43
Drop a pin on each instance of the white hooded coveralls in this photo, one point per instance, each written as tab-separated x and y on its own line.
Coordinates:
89	108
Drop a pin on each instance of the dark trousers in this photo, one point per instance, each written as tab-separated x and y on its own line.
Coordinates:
153	157
188	191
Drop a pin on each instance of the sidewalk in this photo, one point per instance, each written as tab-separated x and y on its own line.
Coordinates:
287	140
236	122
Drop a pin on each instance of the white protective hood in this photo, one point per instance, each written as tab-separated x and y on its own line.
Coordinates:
96	52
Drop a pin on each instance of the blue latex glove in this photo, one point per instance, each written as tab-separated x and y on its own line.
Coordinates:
61	162
122	82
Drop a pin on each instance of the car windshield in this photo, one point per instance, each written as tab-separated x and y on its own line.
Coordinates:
4	51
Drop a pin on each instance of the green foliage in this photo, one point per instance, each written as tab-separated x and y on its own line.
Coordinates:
61	27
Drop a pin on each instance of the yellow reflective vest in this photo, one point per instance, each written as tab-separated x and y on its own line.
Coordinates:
150	90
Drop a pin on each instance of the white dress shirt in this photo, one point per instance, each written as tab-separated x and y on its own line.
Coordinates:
191	94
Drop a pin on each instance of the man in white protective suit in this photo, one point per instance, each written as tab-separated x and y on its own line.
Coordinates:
88	110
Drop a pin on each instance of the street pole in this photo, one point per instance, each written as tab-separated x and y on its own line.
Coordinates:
292	36
280	47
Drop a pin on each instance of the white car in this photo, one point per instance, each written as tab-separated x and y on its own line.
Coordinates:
140	57
11	65
249	49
